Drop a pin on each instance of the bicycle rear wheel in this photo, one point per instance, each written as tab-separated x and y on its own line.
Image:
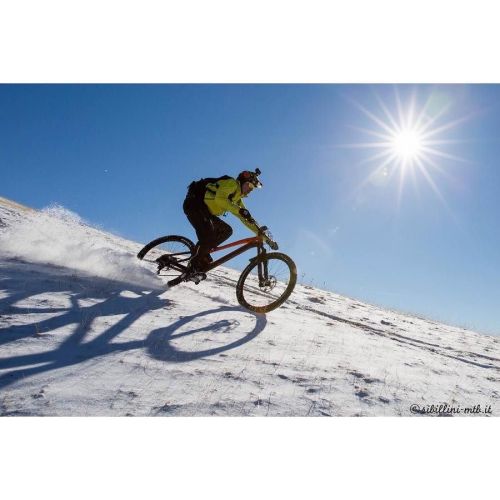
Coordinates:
266	290
173	251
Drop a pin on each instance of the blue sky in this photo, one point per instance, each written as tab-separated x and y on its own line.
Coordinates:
121	156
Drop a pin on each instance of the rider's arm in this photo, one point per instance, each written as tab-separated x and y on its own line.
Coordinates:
251	225
223	199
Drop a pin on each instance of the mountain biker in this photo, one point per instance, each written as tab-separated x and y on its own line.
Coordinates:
208	199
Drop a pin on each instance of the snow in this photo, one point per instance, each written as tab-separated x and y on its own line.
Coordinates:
58	236
87	329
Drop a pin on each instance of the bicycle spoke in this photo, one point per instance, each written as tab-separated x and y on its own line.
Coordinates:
172	252
260	294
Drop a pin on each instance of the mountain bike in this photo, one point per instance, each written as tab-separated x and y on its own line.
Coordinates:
265	283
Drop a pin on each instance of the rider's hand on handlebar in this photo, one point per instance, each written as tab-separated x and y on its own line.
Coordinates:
272	244
268	237
269	240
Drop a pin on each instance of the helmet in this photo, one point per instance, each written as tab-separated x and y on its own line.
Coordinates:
251	177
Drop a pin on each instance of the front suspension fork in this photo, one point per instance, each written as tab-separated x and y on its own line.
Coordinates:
262	267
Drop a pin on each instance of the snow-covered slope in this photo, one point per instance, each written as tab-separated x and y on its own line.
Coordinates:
86	330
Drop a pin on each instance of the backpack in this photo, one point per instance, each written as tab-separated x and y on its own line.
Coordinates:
198	188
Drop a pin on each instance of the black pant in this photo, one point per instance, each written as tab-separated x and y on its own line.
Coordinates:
210	230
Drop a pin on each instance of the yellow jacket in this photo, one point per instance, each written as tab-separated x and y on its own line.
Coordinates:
225	196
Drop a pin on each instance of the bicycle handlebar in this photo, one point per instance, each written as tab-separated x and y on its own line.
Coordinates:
263	232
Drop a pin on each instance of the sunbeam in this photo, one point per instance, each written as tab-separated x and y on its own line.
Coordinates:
407	139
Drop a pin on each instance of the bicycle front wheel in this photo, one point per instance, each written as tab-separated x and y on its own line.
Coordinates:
265	285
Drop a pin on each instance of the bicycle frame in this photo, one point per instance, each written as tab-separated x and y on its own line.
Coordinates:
247	244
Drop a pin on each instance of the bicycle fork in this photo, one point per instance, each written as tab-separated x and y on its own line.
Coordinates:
262	267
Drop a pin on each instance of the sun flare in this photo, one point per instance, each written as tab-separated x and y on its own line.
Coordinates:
407	144
408	139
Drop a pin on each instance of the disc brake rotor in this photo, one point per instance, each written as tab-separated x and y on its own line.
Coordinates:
269	284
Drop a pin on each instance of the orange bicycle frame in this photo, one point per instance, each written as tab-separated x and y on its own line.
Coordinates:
247	244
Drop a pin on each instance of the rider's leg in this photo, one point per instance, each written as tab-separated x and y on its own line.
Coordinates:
203	222
207	241
214	232
218	232
223	231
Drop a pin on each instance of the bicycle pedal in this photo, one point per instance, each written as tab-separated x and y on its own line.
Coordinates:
196	278
160	268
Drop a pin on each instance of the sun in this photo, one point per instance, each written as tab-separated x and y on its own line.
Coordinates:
407	140
408	144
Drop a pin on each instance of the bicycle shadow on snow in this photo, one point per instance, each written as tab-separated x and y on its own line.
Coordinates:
160	346
21	281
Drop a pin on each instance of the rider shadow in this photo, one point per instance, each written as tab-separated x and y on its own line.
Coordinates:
159	342
76	347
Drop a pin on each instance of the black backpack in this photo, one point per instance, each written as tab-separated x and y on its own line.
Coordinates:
197	188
